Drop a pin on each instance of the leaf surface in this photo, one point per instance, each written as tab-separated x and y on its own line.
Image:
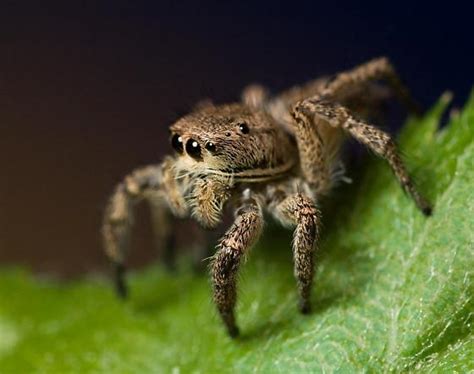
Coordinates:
393	291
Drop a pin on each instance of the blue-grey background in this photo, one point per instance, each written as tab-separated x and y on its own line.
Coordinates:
87	90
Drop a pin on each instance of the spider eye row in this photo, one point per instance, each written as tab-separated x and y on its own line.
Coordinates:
192	146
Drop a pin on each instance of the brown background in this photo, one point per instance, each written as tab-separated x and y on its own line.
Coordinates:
87	93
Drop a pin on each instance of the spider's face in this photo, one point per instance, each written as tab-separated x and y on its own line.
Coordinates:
230	139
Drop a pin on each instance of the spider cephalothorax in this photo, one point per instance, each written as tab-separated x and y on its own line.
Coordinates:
232	140
274	154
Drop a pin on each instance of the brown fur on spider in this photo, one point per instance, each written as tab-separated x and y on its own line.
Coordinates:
274	154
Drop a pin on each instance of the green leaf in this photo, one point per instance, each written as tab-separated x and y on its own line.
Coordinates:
394	290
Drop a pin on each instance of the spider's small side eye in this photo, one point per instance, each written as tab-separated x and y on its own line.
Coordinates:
177	143
244	128
211	147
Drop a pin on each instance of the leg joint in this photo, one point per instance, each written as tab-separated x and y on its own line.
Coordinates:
304	206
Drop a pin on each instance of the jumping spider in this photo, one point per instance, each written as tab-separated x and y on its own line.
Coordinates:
277	154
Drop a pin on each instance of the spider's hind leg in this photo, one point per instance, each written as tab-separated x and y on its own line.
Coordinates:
255	96
376	69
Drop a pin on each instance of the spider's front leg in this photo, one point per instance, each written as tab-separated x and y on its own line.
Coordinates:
231	250
157	185
299	211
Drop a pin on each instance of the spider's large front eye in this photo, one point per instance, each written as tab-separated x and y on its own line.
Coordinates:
177	143
193	149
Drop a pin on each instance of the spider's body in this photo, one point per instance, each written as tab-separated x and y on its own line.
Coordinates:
267	153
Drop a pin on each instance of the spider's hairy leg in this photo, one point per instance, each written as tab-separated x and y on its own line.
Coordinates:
313	155
164	238
118	218
377	69
299	211
378	141
231	250
116	233
255	96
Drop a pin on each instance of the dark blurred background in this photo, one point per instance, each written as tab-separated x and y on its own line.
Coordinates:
88	89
